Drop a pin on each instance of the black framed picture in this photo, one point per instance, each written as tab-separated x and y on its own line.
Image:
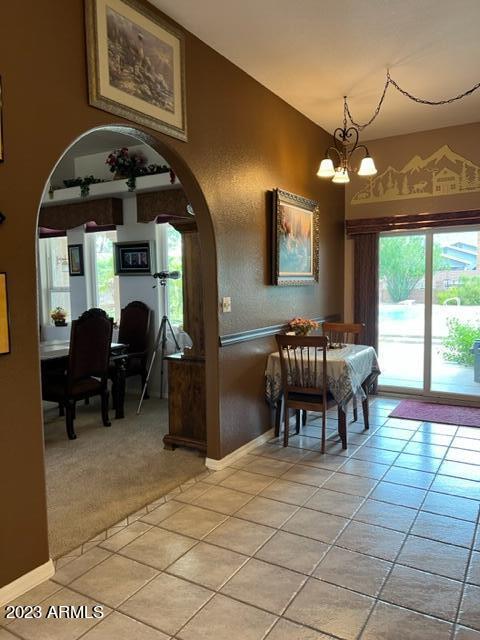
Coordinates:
4	321
295	241
133	258
75	260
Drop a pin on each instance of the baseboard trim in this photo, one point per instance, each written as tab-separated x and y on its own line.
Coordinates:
26	582
217	465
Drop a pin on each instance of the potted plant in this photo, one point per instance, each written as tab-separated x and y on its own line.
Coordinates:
302	326
126	164
59	316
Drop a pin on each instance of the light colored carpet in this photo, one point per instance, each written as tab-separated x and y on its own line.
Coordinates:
108	473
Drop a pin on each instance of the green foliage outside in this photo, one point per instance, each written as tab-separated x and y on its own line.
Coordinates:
175	287
402	264
467	291
459	341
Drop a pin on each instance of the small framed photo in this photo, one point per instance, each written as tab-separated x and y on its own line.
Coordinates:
295	239
75	260
136	65
133	258
4	319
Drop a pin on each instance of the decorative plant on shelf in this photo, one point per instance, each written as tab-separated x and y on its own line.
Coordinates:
133	164
83	183
302	326
59	316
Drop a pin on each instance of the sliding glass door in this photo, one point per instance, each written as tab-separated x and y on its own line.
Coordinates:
429	312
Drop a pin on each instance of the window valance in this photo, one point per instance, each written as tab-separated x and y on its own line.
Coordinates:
104	211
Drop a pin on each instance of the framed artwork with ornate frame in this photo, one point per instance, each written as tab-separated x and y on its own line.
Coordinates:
295	240
4	319
136	65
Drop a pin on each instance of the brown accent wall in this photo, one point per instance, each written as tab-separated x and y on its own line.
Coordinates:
243	141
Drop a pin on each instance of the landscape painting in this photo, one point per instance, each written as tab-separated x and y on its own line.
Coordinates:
295	241
135	65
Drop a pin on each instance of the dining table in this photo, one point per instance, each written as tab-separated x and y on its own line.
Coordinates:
351	369
54	353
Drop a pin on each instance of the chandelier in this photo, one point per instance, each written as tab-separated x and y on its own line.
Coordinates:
337	162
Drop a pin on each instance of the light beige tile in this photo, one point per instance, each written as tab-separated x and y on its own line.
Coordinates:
245	481
370	454
315	524
314	476
119	627
6	635
226	619
293	552
371	540
444	529
264	585
387	515
158	548
192	493
462	633
208	565
330	609
339	504
268	467
216	477
223	500
353	571
323	460
286	630
423	592
80	565
193	521
279	452
398	494
58	628
114	580
436	557
354	485
33	596
291	492
166	603
474	569
162	512
125	535
335	448
364	468
266	511
395	623
469	609
240	535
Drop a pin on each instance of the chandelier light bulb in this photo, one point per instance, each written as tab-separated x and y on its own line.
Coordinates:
367	167
341	176
326	169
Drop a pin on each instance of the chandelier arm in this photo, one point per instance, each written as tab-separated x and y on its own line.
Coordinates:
327	154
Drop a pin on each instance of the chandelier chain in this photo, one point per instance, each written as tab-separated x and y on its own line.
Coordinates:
407	94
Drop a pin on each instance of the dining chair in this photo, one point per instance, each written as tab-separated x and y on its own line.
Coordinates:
86	374
346	333
303	361
134	332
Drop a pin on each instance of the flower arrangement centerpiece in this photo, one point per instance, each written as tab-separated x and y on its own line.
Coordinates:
302	326
59	316
126	164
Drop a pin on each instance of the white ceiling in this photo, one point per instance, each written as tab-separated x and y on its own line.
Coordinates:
312	52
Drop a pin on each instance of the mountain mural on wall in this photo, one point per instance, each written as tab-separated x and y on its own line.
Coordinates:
443	173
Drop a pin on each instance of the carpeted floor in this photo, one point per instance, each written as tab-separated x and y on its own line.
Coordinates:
108	473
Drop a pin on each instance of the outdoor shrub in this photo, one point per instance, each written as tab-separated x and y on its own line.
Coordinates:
468	291
459	341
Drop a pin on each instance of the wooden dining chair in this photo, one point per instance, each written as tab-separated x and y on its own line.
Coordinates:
346	333
86	374
303	361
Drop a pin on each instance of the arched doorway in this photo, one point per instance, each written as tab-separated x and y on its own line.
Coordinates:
207	255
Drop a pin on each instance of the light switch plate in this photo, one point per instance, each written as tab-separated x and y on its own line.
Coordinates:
226	305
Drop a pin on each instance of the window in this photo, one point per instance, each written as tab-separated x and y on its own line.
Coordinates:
105	285
54	277
175	287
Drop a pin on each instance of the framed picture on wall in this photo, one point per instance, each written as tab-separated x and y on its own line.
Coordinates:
295	239
136	65
132	258
75	260
4	323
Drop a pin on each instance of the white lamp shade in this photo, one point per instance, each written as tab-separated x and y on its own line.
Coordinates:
326	169
341	176
367	167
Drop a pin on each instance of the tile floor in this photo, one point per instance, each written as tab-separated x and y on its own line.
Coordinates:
379	542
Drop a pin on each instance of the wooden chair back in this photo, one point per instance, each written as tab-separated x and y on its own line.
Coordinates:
90	341
135	326
342	332
303	361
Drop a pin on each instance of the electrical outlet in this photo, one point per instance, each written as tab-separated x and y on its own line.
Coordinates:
226	305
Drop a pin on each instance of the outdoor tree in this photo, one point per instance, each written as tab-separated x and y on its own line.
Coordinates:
402	264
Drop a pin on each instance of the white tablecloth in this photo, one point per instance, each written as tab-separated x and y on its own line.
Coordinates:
347	368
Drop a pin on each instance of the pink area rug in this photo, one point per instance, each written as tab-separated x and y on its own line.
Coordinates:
431	412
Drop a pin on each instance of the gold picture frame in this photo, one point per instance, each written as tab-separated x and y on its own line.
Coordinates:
136	65
4	319
296	239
